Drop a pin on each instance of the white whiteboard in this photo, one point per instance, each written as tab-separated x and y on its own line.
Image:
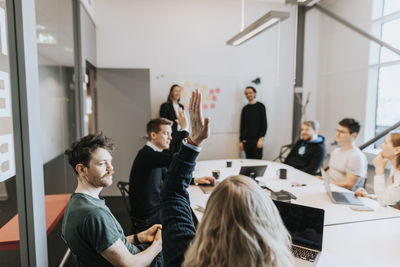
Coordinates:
223	97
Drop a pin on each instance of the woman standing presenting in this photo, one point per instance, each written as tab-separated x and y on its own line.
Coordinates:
386	189
169	109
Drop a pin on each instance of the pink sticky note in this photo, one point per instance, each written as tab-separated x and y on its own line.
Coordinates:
211	91
212	105
182	88
217	90
205	106
214	98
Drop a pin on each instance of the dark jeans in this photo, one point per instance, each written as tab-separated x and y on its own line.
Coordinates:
251	150
143	224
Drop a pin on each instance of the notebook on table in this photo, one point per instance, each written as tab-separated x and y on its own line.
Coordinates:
207	189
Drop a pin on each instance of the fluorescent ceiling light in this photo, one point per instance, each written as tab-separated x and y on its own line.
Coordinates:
46	38
266	21
308	3
40	27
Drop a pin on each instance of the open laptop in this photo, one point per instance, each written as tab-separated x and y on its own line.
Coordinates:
339	197
253	171
306	227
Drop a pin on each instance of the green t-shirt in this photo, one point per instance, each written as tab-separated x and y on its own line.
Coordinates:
89	228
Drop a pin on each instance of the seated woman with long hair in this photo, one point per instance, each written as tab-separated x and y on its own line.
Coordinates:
240	227
387	189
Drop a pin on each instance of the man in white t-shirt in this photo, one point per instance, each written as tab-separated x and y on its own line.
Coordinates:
347	164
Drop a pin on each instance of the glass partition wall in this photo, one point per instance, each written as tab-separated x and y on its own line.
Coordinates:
9	250
55	44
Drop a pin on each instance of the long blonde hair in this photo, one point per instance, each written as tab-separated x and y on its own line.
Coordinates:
240	227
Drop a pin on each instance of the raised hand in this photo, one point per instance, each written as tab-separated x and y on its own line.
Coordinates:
200	127
181	118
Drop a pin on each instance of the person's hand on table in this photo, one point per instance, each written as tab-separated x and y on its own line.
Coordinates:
150	234
361	192
206	180
319	177
200	127
181	118
260	142
241	147
379	164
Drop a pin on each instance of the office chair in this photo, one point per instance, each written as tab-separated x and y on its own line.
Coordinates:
124	189
283	152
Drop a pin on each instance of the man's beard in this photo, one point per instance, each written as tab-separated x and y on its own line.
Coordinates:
103	181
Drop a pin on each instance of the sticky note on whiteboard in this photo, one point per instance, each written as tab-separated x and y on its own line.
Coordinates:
7	157
5	95
4	148
5	166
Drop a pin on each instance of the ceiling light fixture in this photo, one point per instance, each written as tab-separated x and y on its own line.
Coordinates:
260	25
46	38
40	27
308	3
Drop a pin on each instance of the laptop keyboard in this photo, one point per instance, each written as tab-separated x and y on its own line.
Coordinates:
304	254
340	197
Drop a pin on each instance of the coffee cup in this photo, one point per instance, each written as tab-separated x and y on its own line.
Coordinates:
215	174
229	164
282	173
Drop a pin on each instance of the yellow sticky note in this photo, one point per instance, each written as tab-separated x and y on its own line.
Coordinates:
187	84
208	97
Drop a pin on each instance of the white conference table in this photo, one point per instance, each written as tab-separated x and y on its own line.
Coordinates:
312	194
367	244
351	238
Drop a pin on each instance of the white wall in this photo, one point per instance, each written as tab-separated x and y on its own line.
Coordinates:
188	38
336	66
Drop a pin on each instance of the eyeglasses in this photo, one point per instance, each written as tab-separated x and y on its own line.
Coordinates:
342	132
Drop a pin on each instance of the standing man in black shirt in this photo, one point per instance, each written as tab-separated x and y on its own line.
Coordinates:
253	126
149	169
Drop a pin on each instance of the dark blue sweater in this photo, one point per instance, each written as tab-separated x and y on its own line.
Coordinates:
176	217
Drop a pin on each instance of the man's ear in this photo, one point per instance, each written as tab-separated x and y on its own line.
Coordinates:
80	169
354	135
153	136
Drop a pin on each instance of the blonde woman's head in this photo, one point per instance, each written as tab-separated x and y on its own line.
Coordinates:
240	227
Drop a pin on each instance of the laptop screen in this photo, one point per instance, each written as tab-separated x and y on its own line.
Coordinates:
253	171
305	224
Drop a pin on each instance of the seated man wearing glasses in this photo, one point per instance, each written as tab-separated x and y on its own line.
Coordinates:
347	165
309	152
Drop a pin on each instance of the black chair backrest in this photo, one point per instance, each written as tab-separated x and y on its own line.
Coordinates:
124	188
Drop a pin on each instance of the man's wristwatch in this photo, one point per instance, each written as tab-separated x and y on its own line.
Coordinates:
136	240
